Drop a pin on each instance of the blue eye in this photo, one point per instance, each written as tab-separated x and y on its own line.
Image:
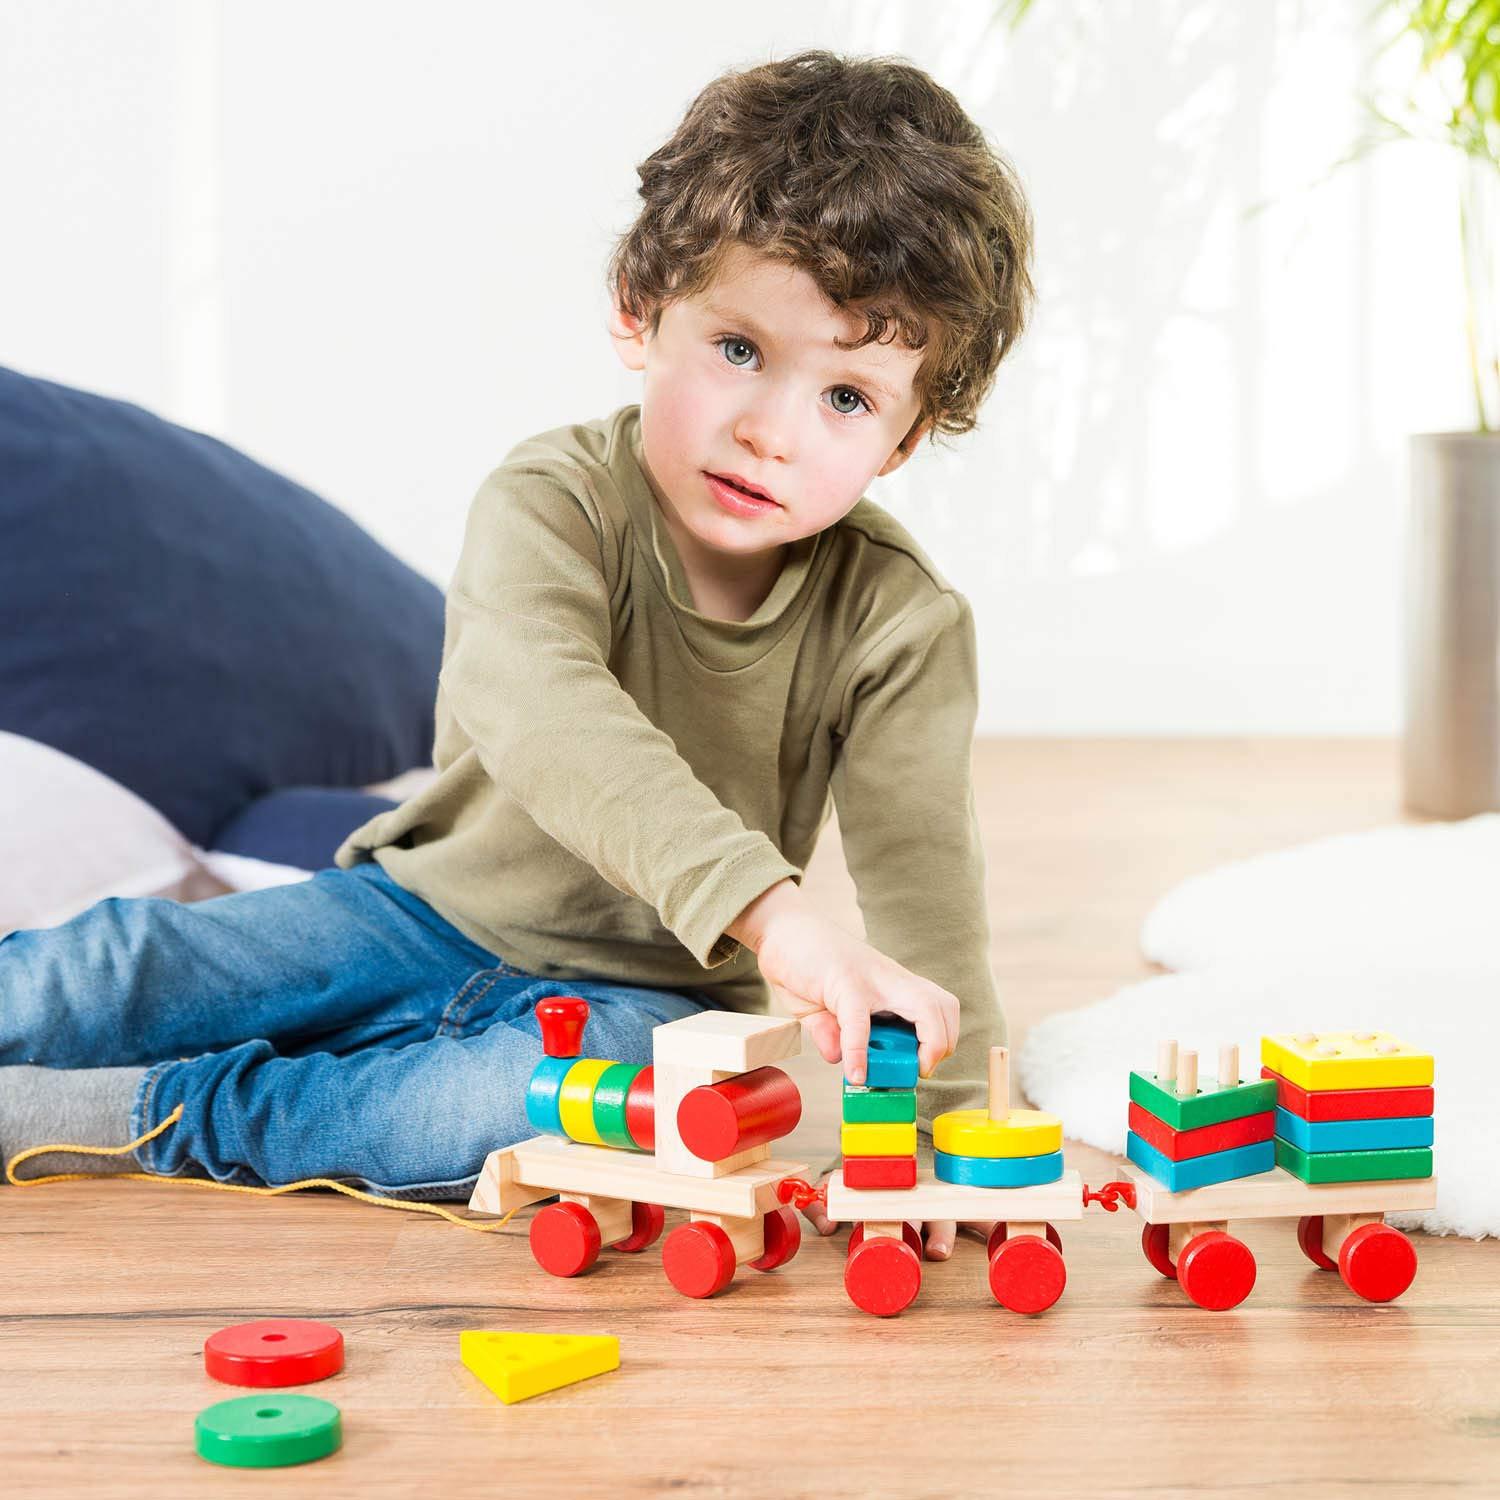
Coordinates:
737	343
848	390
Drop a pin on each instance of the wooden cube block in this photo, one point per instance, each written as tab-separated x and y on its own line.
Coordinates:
867	1106
869	1173
878	1140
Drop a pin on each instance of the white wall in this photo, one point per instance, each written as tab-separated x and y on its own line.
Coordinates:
364	241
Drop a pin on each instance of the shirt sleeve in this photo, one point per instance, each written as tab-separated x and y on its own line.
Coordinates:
903	787
525	675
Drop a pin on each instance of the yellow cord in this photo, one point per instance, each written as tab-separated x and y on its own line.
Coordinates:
484	1227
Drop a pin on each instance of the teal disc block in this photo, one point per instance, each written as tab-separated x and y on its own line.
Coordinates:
997	1171
269	1431
544	1093
893	1055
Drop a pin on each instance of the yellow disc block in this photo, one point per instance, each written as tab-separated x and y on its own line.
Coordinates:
1346	1060
575	1100
878	1139
971	1132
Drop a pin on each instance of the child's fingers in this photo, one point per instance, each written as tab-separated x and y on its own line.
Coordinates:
854	1043
823	1029
818	1219
941	1234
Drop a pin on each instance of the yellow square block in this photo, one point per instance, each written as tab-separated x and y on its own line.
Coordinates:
879	1139
1345	1060
518	1365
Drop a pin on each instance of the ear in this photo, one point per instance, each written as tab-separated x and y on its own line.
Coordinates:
629	334
904	451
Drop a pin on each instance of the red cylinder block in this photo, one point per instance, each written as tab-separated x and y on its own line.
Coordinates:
640	1110
750	1109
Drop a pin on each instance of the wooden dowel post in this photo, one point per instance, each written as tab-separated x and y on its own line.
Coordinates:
1187	1074
1229	1065
999	1084
1166	1063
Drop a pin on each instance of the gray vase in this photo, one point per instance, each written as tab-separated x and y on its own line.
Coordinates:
1451	743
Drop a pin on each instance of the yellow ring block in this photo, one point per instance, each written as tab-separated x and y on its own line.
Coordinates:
877	1138
971	1132
575	1100
1346	1060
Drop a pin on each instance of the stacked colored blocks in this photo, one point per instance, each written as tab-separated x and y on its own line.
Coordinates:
591	1100
1351	1106
997	1147
879	1134
1186	1136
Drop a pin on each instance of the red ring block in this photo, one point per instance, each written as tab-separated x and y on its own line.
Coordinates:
640	1109
751	1109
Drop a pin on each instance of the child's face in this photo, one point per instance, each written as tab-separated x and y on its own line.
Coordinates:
744	379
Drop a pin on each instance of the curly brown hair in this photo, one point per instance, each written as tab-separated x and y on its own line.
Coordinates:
869	176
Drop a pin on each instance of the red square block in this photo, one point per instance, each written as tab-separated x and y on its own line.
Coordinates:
1350	1104
1181	1145
880	1171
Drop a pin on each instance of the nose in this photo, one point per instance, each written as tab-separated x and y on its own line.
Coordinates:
765	426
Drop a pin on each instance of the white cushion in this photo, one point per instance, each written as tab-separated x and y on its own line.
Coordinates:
69	836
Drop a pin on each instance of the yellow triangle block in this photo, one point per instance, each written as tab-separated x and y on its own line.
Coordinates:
518	1365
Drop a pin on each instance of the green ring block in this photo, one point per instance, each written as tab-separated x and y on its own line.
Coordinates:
879	1106
268	1431
1353	1166
1211	1105
609	1104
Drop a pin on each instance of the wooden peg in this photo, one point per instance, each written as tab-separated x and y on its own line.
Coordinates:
1229	1065
1166	1062
999	1084
1187	1074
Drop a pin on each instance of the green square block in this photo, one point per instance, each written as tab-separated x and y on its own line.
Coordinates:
1353	1166
879	1106
1211	1105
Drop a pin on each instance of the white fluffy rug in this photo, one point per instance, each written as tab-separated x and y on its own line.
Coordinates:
1397	930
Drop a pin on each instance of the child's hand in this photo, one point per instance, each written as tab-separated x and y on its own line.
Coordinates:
836	982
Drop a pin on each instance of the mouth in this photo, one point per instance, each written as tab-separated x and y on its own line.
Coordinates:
744	487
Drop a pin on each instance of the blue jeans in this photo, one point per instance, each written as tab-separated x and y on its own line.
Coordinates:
334	1028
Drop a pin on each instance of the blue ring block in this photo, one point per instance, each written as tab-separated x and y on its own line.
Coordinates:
1353	1135
998	1171
544	1093
893	1055
1199	1171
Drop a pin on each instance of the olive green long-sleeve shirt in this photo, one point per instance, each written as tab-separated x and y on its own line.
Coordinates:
620	775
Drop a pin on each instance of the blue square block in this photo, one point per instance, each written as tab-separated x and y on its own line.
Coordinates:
1353	1135
893	1055
1199	1171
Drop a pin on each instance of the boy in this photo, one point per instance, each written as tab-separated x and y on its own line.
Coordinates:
671	635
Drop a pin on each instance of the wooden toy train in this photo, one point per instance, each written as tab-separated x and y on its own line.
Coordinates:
1336	1132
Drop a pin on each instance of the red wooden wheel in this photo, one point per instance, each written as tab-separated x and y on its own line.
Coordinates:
699	1259
1027	1274
909	1232
565	1239
1216	1270
1378	1262
1310	1238
1156	1243
647	1220
783	1230
883	1275
998	1233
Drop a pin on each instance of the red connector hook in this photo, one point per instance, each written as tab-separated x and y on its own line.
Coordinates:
1110	1196
800	1194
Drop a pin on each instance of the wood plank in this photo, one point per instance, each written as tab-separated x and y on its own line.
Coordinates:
931	1199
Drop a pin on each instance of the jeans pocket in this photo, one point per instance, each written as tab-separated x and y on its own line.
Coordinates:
473	993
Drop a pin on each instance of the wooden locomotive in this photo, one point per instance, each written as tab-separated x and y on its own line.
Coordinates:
620	1143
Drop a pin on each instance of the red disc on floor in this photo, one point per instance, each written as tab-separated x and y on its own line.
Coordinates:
274	1352
1216	1270
699	1259
883	1276
564	1239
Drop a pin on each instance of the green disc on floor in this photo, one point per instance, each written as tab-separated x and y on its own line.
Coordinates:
267	1432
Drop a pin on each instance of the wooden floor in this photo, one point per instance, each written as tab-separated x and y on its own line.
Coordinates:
108	1290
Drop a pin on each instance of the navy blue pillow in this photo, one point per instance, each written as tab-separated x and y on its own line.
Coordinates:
192	624
300	825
